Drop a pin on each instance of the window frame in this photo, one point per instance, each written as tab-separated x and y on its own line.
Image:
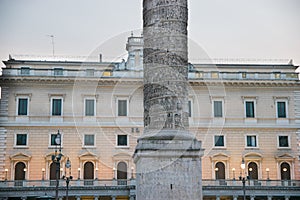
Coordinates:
61	139
286	108
256	141
84	106
62	106
58	69
127	106
254	108
16	140
213	108
215	75
90	72
25	69
224	141
94	141
117	141
288	139
17	105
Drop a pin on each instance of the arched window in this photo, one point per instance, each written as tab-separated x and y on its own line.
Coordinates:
88	173
122	171
220	170
285	171
253	170
52	171
20	171
88	170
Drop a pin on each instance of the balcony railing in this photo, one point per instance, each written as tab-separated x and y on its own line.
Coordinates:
127	188
79	183
34	72
121	182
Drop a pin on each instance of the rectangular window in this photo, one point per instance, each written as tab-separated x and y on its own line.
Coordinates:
190	108
251	141
22	106
89	107
90	72
89	140
218	109
122	107
56	107
215	75
52	139
199	74
219	141
250	109
291	75
21	140
283	141
277	75
122	140
244	75
107	73
58	71
281	109
25	70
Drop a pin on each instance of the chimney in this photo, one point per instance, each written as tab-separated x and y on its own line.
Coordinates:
100	57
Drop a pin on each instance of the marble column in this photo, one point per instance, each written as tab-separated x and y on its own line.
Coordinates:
167	156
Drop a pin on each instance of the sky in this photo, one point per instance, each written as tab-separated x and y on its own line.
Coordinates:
228	29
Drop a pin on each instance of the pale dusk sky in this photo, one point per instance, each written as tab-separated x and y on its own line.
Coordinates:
262	29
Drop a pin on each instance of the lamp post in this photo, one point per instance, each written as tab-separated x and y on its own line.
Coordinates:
243	178
43	173
56	159
96	173
216	169
233	173
6	171
132	169
250	173
68	178
25	170
268	171
114	169
78	173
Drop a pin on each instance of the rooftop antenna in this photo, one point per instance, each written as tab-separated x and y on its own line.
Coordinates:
52	39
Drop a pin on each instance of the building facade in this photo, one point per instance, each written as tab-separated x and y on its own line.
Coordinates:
241	112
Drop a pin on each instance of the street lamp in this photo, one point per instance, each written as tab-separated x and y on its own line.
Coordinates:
78	173
56	159
243	178
68	178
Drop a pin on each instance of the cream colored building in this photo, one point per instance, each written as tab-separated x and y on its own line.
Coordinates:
247	112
